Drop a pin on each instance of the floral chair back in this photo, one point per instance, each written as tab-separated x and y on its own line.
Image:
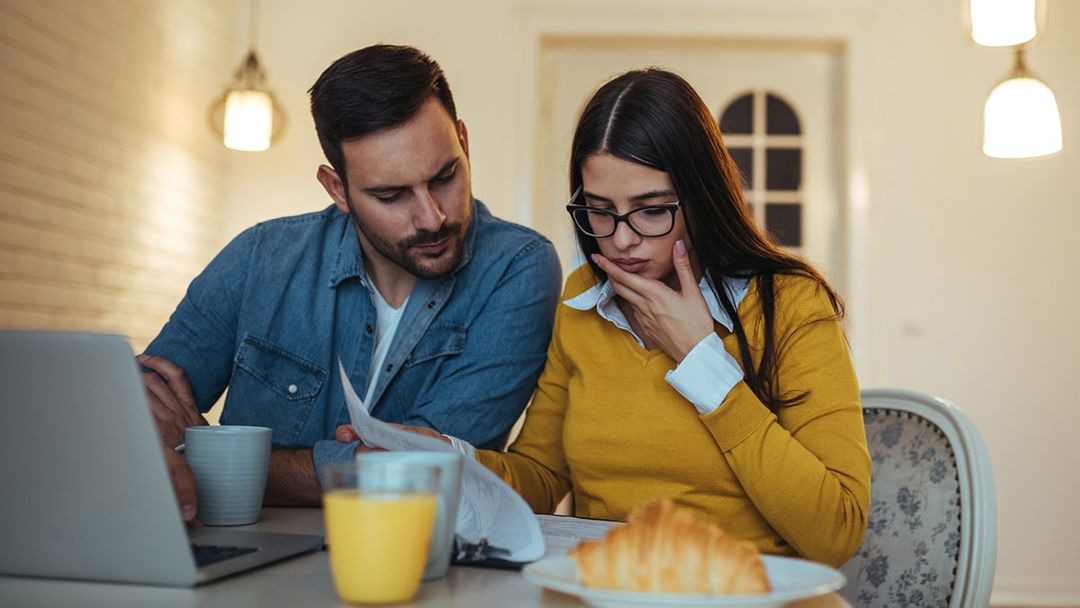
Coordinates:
931	538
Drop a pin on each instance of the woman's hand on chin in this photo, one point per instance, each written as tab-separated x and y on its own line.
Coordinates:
673	320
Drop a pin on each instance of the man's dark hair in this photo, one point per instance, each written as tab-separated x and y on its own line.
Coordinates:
370	89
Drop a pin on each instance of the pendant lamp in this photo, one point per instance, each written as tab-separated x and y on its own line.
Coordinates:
1021	118
1004	22
247	116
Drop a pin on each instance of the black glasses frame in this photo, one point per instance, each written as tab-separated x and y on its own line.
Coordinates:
671	208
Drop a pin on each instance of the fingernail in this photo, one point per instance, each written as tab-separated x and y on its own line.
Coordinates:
189	511
595	258
680	248
141	357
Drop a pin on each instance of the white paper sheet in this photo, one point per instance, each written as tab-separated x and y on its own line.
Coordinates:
489	509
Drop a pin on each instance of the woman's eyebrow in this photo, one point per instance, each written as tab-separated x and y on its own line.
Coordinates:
644	196
652	194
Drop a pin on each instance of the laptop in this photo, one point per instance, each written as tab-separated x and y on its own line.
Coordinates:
86	494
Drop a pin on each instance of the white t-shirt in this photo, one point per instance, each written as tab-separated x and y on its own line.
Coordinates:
386	322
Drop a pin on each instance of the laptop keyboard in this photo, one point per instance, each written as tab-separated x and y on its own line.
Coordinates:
212	554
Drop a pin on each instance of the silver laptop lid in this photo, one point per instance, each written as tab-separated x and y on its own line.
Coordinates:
85	490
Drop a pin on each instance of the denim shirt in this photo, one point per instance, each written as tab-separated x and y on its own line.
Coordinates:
272	314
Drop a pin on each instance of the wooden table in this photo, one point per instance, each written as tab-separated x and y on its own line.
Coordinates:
302	581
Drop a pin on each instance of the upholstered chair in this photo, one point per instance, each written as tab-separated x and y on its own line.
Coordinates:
931	539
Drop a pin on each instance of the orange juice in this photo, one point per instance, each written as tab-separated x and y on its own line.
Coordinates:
378	543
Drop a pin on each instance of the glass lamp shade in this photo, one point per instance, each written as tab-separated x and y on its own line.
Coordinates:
249	120
1003	22
1021	120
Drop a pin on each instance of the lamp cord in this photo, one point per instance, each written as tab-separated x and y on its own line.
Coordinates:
254	8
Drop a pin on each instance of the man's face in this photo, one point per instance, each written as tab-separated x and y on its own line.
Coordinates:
409	191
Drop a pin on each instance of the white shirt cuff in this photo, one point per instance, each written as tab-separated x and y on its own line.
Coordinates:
706	375
467	450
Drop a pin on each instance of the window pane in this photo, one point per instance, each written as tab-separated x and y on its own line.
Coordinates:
783	168
744	158
780	119
784	222
739	116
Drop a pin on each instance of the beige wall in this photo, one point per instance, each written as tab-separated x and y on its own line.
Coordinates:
973	289
964	263
111	189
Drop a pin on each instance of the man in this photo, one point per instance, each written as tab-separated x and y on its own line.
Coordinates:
439	312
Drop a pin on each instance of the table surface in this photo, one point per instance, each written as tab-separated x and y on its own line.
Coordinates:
303	581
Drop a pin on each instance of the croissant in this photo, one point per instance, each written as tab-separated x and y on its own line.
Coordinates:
664	548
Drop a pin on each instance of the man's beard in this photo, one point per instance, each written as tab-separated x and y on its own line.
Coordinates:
417	263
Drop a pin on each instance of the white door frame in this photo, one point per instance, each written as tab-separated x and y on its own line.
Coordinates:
854	34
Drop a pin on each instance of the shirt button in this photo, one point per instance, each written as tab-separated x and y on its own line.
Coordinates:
292	389
431	304
370	328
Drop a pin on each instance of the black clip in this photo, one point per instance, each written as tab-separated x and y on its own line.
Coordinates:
469	552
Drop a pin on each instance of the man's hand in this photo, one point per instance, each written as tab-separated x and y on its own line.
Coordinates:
673	320
347	434
183	481
171	401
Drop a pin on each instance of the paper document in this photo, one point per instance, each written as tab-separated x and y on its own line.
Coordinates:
490	510
562	533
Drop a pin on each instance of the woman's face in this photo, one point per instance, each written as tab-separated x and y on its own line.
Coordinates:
622	186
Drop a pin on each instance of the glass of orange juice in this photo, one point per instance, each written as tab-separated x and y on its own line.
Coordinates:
379	520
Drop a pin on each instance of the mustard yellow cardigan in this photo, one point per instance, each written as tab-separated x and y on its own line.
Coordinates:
605	424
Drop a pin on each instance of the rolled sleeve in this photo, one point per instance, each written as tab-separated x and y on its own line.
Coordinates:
706	375
329	451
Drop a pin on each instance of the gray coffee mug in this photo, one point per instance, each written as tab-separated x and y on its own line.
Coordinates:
230	465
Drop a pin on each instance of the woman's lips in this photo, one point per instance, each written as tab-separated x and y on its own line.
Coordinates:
634	265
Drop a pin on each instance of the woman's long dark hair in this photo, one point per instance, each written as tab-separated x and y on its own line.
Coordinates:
655	118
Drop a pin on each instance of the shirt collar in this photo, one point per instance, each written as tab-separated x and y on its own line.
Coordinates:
602	298
350	262
350	259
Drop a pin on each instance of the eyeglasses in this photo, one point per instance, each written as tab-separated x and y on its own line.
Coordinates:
650	221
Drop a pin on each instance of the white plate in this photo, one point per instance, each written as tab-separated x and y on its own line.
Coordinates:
791	579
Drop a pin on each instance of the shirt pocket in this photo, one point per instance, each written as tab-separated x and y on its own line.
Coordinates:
274	388
291	377
441	340
421	371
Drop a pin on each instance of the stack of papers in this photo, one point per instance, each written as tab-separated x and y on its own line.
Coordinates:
562	533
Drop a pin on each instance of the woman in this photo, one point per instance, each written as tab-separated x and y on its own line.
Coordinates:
691	358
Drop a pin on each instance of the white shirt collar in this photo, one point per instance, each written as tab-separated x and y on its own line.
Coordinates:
602	298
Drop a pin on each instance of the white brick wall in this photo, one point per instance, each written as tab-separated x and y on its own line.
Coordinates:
111	185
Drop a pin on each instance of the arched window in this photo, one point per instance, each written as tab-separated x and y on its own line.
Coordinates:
763	134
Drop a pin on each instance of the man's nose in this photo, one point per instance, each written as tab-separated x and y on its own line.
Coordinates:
429	214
